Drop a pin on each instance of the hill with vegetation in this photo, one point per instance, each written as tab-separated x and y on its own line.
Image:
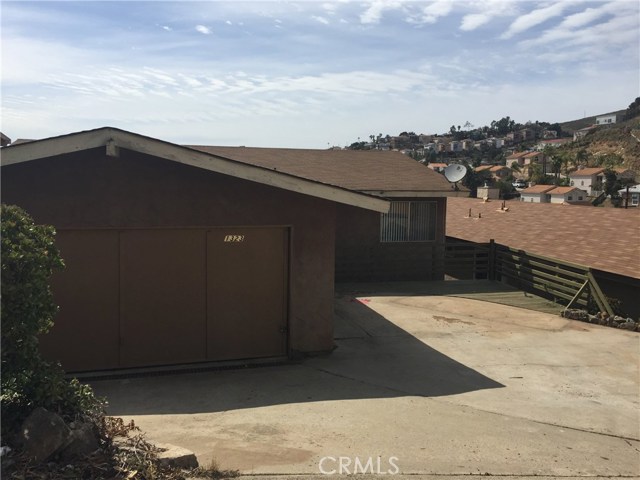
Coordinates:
573	125
609	146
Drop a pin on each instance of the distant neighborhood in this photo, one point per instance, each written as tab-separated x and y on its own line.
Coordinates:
536	162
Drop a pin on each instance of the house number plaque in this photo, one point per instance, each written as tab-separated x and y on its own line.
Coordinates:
234	238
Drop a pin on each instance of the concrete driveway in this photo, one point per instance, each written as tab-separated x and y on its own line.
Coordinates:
418	385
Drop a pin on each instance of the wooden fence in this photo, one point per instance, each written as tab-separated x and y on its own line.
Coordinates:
563	282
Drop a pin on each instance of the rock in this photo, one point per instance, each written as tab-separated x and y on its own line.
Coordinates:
592	319
176	456
628	325
43	433
82	441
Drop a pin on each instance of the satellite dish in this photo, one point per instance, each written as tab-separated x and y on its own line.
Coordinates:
455	172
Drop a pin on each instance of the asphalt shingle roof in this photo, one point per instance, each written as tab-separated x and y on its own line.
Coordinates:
601	238
351	169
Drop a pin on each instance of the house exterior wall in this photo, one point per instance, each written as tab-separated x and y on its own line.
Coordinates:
361	256
88	190
534	197
558	198
588	183
607	119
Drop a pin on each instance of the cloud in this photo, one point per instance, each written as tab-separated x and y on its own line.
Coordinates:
533	18
437	9
320	19
487	10
373	14
618	31
229	22
474	20
167	28
203	29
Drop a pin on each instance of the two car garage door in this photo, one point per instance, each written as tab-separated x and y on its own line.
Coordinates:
131	298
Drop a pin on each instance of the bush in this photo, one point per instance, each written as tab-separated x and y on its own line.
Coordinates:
29	257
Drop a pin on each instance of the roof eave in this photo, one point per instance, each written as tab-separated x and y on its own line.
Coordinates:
113	138
417	193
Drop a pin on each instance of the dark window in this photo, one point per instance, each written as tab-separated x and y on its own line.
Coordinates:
409	222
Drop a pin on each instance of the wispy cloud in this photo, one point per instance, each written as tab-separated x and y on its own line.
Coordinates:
203	29
484	11
377	71
432	12
373	13
320	19
535	17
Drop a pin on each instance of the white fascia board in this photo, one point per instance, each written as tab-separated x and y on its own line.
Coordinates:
51	147
150	146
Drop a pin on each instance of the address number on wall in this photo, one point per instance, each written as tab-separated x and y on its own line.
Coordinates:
234	238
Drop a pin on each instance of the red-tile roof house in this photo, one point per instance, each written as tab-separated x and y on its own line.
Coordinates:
496	171
516	158
572	195
589	179
536	194
438	167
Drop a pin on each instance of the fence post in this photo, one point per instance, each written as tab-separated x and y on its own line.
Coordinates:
492	260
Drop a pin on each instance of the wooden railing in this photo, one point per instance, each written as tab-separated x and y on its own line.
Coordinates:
563	282
466	260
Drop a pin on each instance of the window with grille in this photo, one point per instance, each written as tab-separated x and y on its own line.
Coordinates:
409	222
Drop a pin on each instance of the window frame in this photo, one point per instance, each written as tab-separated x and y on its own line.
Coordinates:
391	234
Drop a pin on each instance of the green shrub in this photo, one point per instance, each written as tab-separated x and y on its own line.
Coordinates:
29	257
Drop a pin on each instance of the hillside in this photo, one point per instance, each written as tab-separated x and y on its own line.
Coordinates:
615	145
573	125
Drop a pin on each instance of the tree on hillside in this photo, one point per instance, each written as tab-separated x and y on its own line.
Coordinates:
503	126
633	110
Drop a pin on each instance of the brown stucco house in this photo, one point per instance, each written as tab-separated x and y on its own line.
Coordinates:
179	255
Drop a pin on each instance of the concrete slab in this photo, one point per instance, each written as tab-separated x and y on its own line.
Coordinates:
433	385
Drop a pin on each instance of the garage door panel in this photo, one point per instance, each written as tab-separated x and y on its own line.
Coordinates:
85	334
247	285
162	297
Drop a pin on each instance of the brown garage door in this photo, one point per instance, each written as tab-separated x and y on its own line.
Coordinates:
154	297
162	297
85	334
247	286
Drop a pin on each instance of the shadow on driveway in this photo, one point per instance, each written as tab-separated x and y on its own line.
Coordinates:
374	358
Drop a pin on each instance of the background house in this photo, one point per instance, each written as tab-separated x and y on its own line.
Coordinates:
633	195
496	172
179	255
516	158
437	167
536	194
567	195
589	179
608	119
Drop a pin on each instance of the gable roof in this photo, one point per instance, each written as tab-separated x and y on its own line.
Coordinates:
550	230
586	172
384	173
563	190
538	189
532	154
113	139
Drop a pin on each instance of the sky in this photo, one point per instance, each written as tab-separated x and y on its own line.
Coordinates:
310	74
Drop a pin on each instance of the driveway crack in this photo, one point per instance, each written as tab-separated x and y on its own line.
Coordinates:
540	422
